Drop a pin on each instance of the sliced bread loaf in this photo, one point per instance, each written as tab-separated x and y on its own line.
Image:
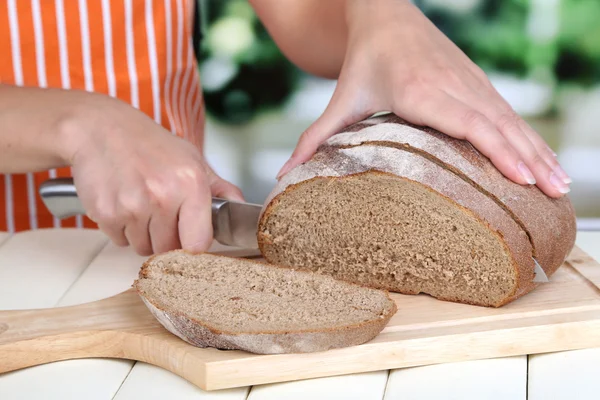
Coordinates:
230	303
549	223
370	210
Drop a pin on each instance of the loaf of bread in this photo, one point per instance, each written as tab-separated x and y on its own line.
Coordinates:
405	208
229	303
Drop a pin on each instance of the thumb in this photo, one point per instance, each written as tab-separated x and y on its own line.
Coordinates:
225	190
340	113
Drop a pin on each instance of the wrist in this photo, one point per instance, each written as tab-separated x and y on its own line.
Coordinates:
80	117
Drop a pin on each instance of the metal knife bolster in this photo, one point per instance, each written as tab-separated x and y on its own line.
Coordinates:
234	224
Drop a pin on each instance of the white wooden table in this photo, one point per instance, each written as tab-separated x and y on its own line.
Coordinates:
50	268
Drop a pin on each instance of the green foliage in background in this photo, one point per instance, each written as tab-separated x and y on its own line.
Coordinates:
244	72
249	73
497	36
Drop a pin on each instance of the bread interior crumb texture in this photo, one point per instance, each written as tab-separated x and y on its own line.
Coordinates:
389	232
241	296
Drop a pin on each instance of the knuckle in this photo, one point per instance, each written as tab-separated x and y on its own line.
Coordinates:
508	120
160	191
131	206
103	211
308	134
473	120
480	73
537	160
190	175
449	74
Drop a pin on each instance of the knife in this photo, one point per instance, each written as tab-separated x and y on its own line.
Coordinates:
234	223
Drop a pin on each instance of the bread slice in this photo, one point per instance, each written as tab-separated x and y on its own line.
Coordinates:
231	303
376	213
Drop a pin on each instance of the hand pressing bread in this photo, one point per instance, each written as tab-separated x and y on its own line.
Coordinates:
396	60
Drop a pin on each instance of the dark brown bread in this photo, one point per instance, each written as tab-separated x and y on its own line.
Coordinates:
230	303
287	233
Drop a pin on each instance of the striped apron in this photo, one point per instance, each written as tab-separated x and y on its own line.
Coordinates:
140	51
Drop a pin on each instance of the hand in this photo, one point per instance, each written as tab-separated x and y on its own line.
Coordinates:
140	184
397	60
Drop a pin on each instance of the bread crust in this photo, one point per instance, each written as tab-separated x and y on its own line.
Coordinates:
549	223
201	334
347	163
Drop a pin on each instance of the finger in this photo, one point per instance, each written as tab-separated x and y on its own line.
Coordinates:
226	190
449	115
338	115
547	153
490	103
134	210
550	177
138	235
107	222
164	235
115	232
195	221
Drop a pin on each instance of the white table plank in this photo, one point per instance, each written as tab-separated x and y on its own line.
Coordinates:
565	375
502	378
150	382
3	237
367	386
590	243
111	272
570	374
65	380
38	267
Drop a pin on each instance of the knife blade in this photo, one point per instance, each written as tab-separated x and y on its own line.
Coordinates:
540	275
234	223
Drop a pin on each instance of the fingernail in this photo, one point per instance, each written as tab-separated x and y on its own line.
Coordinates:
285	169
562	174
559	184
526	173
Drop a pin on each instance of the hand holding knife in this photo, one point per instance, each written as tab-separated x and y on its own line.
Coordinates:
234	223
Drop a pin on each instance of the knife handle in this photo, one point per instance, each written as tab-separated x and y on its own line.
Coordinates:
60	198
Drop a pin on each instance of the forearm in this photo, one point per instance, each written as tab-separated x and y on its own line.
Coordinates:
314	34
34	127
311	33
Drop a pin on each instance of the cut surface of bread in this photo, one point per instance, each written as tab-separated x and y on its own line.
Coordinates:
230	303
383	231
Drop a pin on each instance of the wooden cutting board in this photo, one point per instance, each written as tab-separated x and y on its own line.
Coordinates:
561	315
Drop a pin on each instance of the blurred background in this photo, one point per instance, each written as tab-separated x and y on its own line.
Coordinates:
542	55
